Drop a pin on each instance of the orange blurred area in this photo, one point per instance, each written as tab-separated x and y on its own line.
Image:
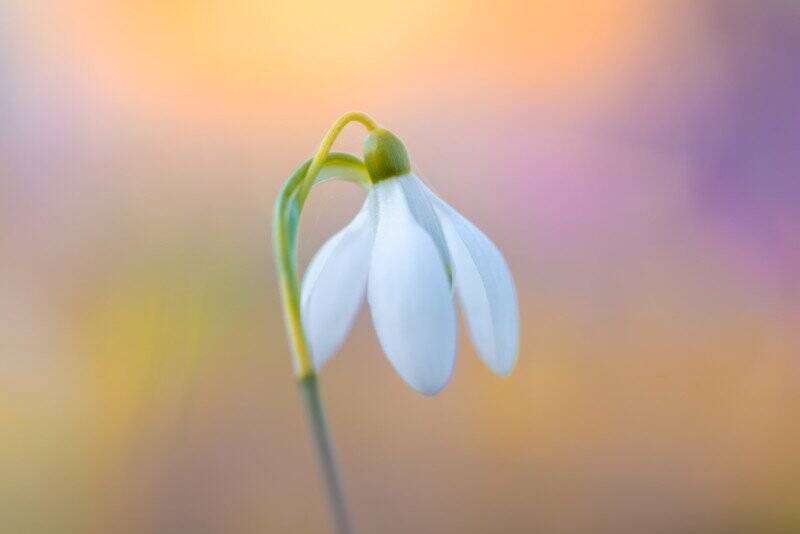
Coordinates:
244	60
636	163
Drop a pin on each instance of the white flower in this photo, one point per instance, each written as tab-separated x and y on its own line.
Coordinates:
409	250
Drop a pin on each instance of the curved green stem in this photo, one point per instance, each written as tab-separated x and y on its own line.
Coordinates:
327	143
285	225
323	166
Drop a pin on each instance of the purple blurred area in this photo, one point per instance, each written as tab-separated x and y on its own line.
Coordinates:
748	144
637	162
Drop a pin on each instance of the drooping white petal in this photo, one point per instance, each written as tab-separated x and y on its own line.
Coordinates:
485	289
419	205
409	295
333	286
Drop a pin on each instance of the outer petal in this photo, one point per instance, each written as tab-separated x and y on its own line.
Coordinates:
333	286
409	295
485	288
419	204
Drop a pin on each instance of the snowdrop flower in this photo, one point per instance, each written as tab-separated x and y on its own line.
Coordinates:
410	252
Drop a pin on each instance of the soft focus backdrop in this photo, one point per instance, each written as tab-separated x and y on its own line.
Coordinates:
637	162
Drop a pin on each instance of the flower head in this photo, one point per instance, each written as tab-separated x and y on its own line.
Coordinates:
410	252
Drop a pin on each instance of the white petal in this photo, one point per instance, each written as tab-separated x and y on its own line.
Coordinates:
333	286
409	295
419	204
485	289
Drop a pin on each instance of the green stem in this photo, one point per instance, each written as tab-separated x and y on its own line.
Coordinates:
309	390
288	207
285	225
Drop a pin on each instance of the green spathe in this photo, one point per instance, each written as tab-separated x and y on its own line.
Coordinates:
385	156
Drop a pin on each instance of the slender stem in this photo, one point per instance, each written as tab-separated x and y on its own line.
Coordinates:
309	390
285	225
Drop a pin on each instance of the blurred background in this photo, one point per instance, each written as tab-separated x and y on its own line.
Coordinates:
637	162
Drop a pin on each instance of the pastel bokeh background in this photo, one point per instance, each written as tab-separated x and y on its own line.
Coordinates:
637	162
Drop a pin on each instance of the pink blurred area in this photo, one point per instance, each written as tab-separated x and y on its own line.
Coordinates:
637	163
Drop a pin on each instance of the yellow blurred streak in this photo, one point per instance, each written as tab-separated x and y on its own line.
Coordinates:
41	463
144	335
